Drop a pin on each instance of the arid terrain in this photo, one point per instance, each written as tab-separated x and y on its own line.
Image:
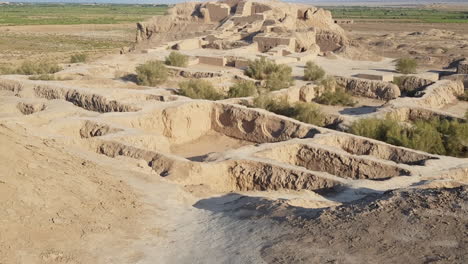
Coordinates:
234	132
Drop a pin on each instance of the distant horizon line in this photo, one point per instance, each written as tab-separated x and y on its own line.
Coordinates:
181	1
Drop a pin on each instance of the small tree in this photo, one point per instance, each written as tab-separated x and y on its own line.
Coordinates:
199	89
406	65
313	72
242	89
177	59
151	73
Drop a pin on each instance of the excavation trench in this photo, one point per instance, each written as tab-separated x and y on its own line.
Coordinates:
362	146
339	163
91	102
233	175
197	128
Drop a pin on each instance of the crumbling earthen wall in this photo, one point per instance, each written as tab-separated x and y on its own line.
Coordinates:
411	83
265	43
215	12
462	67
257	126
375	77
369	88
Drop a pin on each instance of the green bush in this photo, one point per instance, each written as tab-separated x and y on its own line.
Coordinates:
406	65
435	136
49	77
242	89
313	72
4	69
199	89
309	113
42	67
338	97
151	73
43	77
304	112
276	76
77	58
177	59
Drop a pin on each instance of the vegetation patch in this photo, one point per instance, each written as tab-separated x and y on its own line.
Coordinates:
177	59
276	76
48	77
399	14
151	73
313	72
337	97
406	65
305	112
68	14
78	58
31	67
242	89
435	136
199	89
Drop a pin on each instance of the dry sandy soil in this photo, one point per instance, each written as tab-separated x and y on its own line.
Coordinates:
99	170
433	45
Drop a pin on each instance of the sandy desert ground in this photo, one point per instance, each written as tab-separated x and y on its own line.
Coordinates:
95	168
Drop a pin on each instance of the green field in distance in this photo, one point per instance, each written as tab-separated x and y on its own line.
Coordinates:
399	14
70	14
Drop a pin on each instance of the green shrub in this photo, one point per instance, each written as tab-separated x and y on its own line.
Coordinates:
49	77
435	136
338	97
313	72
304	112
151	73
42	67
6	70
77	58
398	80
43	77
464	96
242	89
279	79
177	59
309	113
199	89
276	76
406	65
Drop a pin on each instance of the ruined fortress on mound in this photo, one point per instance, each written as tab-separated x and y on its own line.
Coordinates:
283	32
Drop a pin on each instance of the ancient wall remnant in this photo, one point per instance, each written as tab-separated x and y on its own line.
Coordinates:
375	77
215	12
266	42
369	88
462	67
215	61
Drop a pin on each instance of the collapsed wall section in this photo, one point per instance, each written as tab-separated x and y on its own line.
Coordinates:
257	125
369	88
